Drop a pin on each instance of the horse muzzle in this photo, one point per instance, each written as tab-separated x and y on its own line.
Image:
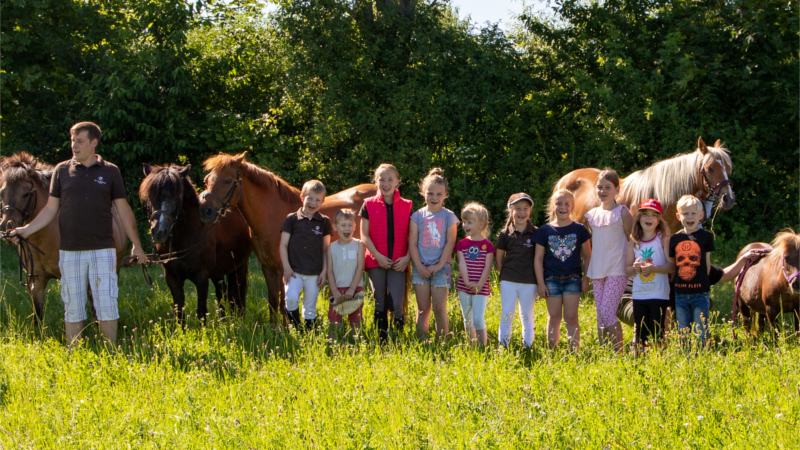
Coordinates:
208	213
728	200
160	234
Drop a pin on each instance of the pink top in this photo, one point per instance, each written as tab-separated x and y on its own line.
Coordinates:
608	242
475	256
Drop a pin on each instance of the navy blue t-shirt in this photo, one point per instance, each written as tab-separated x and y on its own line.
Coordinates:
562	247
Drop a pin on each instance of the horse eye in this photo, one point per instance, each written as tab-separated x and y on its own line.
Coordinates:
25	195
228	181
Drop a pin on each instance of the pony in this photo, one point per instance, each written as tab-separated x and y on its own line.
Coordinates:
265	200
195	251
704	173
24	190
771	286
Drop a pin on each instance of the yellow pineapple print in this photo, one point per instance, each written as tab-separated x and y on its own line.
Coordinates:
647	256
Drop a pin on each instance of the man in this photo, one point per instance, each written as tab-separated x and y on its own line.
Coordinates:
83	189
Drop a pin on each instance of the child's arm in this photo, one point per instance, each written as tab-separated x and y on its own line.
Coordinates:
351	291
731	272
538	269
631	266
449	245
708	263
283	250
586	253
499	257
326	242
413	237
383	261
332	279
627	222
462	269
487	270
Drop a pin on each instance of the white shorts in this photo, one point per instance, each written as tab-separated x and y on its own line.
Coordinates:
98	268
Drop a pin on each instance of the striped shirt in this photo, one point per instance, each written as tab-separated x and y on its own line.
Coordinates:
475	256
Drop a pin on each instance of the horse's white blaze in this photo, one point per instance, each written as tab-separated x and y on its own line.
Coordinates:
163	222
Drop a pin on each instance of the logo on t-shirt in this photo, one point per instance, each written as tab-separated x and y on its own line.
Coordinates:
528	243
473	252
99	180
432	234
317	230
688	259
562	246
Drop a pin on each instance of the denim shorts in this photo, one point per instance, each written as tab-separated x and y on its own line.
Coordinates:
439	279
558	286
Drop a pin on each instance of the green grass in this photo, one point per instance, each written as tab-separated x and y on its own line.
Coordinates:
240	383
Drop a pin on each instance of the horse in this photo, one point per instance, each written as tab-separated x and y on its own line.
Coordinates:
772	284
195	251
265	200
703	173
24	190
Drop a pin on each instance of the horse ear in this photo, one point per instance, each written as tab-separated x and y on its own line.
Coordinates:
701	145
718	144
185	171
146	169
239	158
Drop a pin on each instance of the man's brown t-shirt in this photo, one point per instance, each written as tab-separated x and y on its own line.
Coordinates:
86	194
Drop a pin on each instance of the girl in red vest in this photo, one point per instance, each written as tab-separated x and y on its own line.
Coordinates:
384	230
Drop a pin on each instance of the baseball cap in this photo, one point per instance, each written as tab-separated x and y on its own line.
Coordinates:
653	204
519	197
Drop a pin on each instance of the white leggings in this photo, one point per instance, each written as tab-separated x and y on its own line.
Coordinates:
307	284
510	292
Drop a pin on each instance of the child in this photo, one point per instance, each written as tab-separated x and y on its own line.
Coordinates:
305	236
345	271
690	250
431	238
610	224
646	262
475	255
515	252
384	229
560	245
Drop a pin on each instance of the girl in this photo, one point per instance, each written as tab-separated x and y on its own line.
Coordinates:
560	245
515	251
610	224
431	238
384	230
646	262
475	255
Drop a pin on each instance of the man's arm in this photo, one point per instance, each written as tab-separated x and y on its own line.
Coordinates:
41	220
129	223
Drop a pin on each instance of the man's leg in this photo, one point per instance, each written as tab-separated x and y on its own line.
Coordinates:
74	273
103	280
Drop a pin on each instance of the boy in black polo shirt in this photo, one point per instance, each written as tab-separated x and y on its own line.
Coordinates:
305	236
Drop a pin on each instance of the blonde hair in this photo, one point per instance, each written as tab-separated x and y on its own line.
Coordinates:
477	212
687	201
344	214
637	231
551	203
381	168
435	176
314	186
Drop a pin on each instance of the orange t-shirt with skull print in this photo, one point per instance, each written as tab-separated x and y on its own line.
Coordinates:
689	251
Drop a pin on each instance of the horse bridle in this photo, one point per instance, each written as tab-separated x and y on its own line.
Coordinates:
714	192
27	268
789	278
228	197
32	200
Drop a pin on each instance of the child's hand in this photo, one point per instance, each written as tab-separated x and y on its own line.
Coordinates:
337	296
424	272
434	268
637	265
288	274
543	291
400	264
585	285
647	268
321	280
383	261
349	294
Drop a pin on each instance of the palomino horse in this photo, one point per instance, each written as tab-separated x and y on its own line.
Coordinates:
25	187
704	173
265	200
772	285
196	251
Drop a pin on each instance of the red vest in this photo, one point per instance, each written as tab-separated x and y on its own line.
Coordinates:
376	208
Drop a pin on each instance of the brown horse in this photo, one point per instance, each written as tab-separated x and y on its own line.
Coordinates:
704	173
200	252
265	200
24	190
772	285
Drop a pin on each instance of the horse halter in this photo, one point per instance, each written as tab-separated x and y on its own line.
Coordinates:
32	200
228	197
789	278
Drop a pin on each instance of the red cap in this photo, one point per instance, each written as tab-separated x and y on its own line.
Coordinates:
519	197
653	204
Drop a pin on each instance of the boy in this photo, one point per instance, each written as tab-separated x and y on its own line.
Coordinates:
305	236
690	250
345	272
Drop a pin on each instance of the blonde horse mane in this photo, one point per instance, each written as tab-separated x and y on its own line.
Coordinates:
667	180
783	242
260	176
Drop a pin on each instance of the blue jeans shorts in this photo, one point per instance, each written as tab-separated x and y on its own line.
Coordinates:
439	279
560	285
